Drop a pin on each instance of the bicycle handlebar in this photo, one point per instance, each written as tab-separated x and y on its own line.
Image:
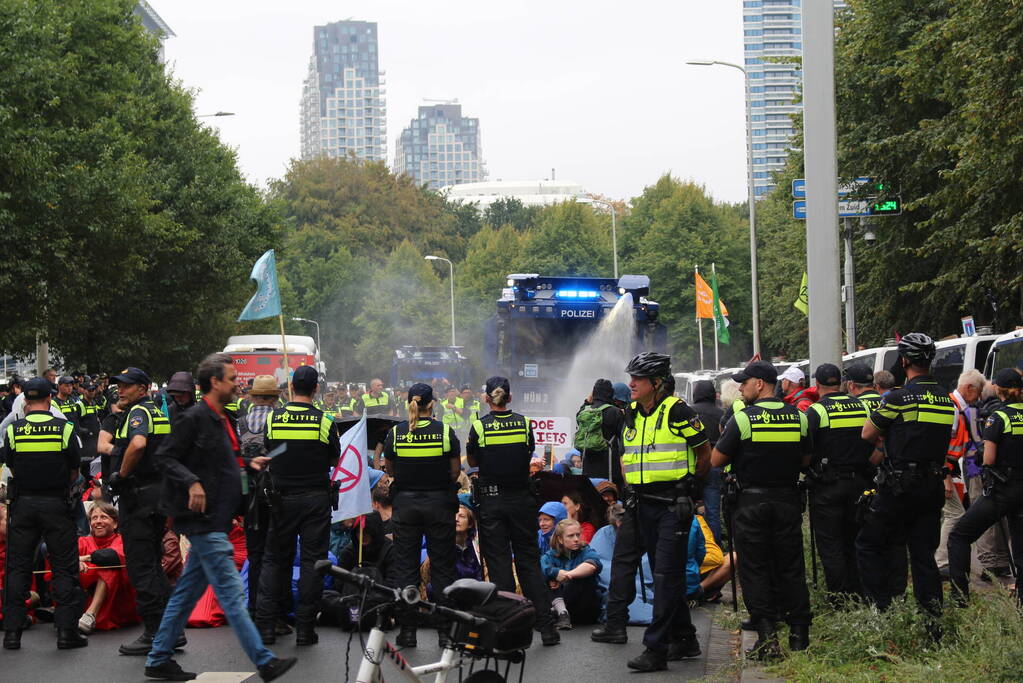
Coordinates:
408	596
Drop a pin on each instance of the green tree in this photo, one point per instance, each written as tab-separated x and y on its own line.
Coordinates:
126	230
511	212
568	239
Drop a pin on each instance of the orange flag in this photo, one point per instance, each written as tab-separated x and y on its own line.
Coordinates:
705	300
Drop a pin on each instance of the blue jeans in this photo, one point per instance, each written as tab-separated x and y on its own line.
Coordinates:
712	501
210	562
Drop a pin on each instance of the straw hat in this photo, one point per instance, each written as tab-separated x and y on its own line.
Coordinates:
264	385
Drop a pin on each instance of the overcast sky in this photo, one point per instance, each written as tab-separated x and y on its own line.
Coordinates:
597	90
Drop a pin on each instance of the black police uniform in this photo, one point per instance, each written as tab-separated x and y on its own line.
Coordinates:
142	522
767	444
300	506
501	443
88	431
871	399
42	453
425	502
916	421
1003	497
839	473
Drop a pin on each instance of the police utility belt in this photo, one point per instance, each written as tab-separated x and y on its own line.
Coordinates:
901	476
824	472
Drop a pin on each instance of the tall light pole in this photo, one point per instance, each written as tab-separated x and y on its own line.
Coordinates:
451	280
614	228
319	348
754	280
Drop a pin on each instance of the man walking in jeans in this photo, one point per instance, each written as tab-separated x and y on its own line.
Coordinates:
203	492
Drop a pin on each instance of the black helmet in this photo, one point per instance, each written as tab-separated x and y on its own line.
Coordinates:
649	364
917	348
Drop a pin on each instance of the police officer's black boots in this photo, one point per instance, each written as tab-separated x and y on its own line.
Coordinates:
799	637
305	634
684	648
549	634
766	649
70	638
610	633
267	632
406	637
649	661
12	640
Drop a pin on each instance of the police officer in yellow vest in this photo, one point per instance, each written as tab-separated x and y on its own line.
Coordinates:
141	430
451	409
423	456
346	404
42	453
665	449
376	401
767	447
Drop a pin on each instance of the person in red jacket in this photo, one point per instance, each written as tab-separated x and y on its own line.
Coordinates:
794	391
111	596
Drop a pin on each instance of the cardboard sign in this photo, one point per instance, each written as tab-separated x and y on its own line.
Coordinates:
552	431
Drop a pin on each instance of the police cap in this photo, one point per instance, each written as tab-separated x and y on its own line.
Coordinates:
131	376
828	375
37	388
1007	378
497	383
305	378
423	391
860	373
759	369
66	380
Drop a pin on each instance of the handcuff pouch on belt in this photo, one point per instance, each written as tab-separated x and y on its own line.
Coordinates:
335	494
482	489
994	478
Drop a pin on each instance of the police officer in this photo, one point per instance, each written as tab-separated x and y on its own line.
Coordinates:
839	473
1002	474
665	448
501	445
423	456
347	403
300	505
140	431
330	406
915	421
859	382
767	446
42	452
88	423
471	406
376	401
66	399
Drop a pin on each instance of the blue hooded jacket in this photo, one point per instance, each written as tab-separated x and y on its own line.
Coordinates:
558	512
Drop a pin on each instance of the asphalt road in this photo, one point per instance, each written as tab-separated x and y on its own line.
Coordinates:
216	654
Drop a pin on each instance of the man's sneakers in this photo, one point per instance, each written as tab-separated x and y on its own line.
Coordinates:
406	637
70	638
649	661
276	668
549	635
144	643
563	622
609	633
87	624
684	649
168	671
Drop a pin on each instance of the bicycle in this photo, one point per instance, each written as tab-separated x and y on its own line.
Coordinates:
472	636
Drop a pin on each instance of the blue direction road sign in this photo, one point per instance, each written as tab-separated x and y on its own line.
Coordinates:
799	188
856	208
862	185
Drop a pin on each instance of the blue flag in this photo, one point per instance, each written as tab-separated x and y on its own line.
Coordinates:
266	302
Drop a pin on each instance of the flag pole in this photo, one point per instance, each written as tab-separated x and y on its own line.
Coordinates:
717	364
362	525
287	365
699	320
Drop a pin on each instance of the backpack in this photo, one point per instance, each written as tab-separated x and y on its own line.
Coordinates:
589	435
251	444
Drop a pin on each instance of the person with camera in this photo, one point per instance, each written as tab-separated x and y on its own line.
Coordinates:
766	443
423	456
664	450
300	498
42	452
141	429
501	444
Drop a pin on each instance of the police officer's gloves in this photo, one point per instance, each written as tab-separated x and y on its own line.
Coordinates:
991	478
117	484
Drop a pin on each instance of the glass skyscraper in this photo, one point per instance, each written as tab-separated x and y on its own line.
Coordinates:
772	29
342	106
441	147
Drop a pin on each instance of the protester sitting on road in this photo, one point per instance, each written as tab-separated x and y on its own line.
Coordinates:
608	491
716	568
468	562
382	505
536	465
102	574
551	513
571	568
696	549
341	603
580	512
577	464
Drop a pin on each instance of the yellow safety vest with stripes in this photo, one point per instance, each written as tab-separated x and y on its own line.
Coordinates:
295	422
159	425
420	456
772	436
37	445
504	430
1008	421
653	452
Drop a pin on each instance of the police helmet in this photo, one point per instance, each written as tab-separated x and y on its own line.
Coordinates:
650	364
917	348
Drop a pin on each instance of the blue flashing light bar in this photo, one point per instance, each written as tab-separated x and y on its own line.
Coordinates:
577	294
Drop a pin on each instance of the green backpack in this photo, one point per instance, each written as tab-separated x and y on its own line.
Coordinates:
588	433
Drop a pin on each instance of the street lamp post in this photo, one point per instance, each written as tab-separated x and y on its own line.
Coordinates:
451	281
319	348
754	280
614	228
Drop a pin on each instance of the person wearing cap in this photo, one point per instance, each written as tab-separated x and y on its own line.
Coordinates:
859	382
178	396
424	457
451	409
141	429
346	402
66	400
602	457
205	491
42	453
915	421
471	405
1002	475
767	446
793	388
501	444
300	506
839	472
664	450
88	423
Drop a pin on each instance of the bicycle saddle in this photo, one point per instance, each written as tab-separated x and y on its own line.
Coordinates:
470	593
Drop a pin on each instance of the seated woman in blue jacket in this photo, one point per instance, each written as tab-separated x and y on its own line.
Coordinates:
571	568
